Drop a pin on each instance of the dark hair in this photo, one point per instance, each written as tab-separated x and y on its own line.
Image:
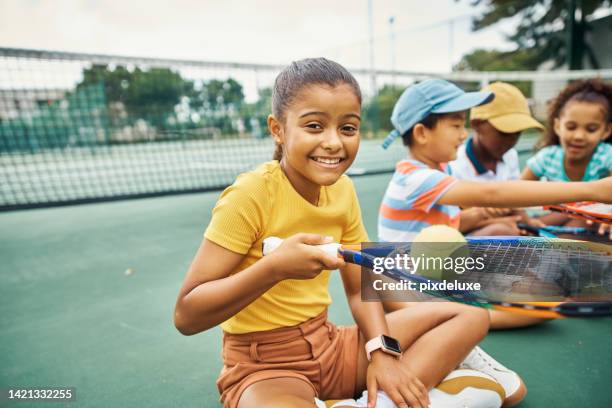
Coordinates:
303	73
429	122
590	90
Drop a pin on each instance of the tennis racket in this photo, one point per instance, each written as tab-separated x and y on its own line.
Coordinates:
586	210
573	269
553	231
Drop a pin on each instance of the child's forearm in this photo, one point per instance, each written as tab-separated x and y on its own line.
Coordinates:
369	316
526	193
522	193
213	302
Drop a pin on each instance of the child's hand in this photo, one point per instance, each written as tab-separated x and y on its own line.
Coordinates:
402	386
492	212
298	258
511	221
533	222
604	229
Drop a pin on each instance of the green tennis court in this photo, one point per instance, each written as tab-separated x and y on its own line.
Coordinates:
73	317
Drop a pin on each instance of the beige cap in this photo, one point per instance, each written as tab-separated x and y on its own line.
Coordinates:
508	112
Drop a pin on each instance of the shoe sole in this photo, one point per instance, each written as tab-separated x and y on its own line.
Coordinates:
516	397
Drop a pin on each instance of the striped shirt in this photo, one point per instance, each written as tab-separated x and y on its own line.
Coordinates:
548	164
410	202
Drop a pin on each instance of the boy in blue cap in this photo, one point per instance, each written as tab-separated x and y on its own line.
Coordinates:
430	117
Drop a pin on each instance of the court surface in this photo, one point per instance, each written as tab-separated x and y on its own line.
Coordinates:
71	316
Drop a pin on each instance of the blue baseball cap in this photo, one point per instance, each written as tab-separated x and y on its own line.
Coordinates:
431	96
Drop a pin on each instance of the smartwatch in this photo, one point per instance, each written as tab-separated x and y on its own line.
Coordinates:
385	343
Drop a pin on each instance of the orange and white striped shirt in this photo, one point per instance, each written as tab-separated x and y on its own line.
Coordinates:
410	202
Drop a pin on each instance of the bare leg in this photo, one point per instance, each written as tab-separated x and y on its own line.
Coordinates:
506	320
437	336
499	320
278	393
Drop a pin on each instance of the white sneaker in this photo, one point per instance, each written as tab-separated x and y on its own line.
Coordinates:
319	403
460	389
513	385
464	388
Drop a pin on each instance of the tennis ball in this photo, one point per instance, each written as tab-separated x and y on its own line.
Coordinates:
439	248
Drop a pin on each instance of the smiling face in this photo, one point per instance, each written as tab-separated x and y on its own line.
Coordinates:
440	144
494	142
319	136
580	127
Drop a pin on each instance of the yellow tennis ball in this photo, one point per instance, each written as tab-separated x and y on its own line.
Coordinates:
439	248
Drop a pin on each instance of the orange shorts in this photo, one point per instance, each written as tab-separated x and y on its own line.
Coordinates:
316	351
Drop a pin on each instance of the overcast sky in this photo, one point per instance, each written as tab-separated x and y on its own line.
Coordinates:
260	31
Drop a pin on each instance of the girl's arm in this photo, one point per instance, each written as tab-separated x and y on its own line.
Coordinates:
369	316
528	175
210	295
525	193
548	219
384	372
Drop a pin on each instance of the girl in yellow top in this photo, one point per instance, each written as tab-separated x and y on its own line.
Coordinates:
279	350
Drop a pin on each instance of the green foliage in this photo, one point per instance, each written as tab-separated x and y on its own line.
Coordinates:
493	60
219	104
256	113
150	94
216	95
380	109
542	26
167	101
77	119
117	104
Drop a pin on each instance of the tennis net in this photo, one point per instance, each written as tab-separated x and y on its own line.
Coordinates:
77	128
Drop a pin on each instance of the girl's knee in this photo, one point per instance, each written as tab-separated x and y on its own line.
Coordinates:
478	320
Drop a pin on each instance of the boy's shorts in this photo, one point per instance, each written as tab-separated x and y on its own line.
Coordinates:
321	354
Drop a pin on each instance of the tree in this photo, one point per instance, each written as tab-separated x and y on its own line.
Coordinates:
551	30
218	96
493	60
255	114
380	109
148	94
218	102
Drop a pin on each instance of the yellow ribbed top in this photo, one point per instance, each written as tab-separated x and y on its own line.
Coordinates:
263	203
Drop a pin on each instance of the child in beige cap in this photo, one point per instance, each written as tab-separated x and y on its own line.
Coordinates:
489	155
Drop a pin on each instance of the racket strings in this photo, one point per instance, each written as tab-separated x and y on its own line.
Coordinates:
572	269
529	267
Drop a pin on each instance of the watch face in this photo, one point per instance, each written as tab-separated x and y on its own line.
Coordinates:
391	344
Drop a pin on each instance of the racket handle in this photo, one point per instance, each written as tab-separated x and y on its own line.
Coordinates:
271	243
